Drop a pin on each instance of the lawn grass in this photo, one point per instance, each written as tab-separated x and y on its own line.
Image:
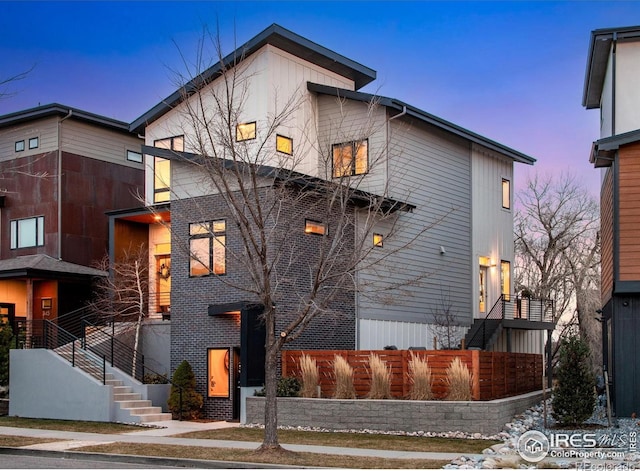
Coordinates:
350	440
248	456
15	441
68	425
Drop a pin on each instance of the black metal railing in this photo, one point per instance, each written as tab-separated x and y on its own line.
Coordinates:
510	308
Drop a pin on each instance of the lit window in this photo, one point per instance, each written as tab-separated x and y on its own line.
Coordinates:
506	193
19	146
315	227
33	143
218	372
207	246
27	232
245	131
505	277
350	158
162	168
134	156
377	240
284	144
173	143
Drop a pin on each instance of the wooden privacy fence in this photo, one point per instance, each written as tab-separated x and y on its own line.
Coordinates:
495	374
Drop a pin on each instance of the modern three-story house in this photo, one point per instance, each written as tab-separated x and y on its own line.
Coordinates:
449	190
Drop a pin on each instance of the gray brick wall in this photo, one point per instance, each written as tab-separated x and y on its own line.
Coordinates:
487	417
193	331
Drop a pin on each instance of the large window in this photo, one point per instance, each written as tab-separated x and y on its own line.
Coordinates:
505	277
27	232
350	158
218	367
506	194
162	168
207	245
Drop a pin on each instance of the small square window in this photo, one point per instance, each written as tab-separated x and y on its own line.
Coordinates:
315	227
33	143
284	144
134	156
377	240
245	131
19	146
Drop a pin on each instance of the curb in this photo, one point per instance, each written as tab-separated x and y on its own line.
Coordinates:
141	459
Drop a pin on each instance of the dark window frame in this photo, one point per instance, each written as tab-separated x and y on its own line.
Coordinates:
281	136
240	138
211	235
19	146
354	152
37	142
14	233
311	224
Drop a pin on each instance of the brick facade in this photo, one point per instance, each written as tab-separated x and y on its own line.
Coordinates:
193	331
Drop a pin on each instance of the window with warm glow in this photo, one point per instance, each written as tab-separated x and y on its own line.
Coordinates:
162	168
218	369
207	246
284	144
506	194
27	232
245	131
505	277
350	158
315	227
377	240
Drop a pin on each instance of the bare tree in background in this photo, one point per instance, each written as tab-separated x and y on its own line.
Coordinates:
268	194
5	82
557	248
123	295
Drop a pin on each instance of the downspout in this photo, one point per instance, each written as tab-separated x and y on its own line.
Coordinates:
60	183
613	84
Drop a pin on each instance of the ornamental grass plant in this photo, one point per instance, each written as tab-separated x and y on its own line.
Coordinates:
420	378
459	381
343	374
380	373
310	374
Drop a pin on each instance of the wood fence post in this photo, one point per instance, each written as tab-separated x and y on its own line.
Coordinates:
475	362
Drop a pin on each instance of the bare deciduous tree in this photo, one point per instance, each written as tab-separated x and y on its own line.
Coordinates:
268	192
123	295
558	247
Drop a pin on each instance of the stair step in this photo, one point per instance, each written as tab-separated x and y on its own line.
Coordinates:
121	389
113	382
127	397
134	403
160	417
143	410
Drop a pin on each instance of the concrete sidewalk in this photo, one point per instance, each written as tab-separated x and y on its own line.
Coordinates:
68	441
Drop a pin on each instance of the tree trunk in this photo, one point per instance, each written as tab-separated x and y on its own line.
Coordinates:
270	441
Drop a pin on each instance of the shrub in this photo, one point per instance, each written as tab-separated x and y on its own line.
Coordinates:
459	381
380	387
421	379
574	395
288	386
6	336
310	374
155	378
343	374
191	399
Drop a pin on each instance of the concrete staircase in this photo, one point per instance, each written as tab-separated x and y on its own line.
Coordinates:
131	406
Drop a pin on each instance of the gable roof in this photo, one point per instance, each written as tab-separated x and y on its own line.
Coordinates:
279	37
56	109
424	117
597	59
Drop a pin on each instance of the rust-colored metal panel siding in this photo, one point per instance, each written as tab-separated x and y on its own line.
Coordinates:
90	187
30	186
606	234
629	212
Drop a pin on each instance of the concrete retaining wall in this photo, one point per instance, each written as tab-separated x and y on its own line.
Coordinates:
487	417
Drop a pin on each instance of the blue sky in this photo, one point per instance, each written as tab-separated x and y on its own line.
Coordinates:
511	71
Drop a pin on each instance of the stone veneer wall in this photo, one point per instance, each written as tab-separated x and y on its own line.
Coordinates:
486	417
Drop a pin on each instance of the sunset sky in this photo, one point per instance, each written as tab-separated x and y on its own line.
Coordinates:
510	71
